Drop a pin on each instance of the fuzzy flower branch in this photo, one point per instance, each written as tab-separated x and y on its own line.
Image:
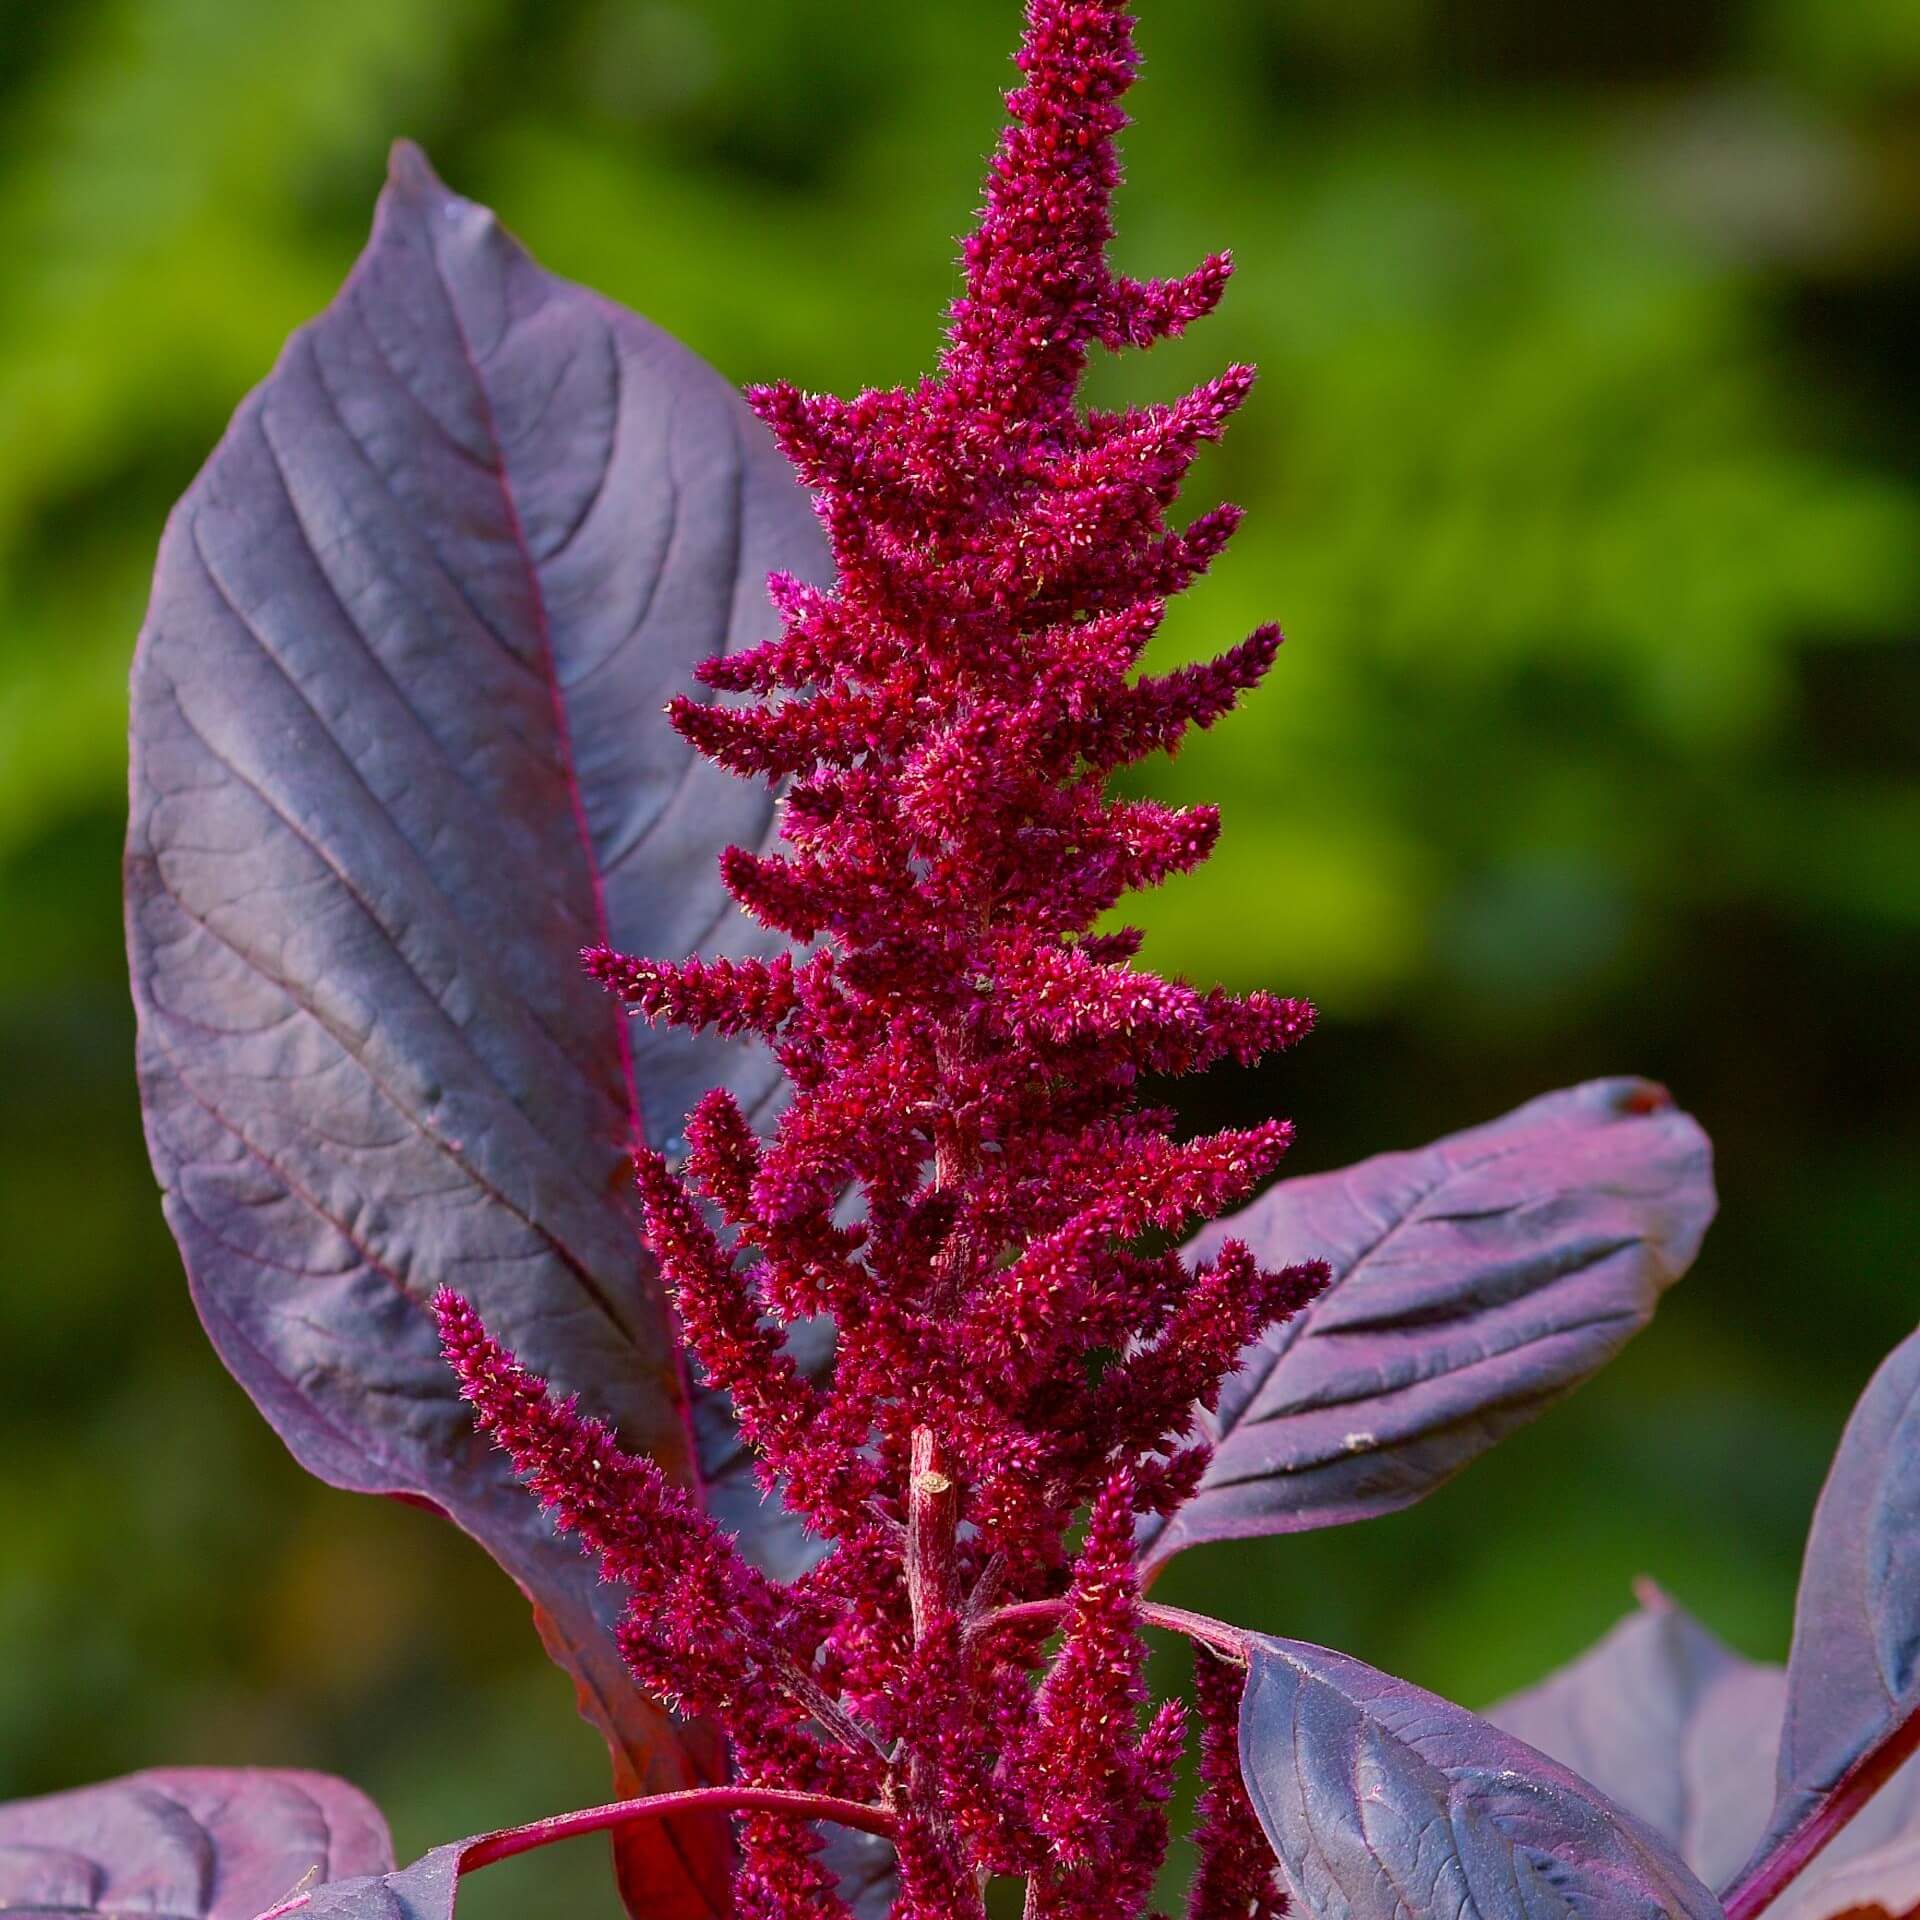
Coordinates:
966	1051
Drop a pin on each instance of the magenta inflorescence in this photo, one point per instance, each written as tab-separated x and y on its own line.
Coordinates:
965	1177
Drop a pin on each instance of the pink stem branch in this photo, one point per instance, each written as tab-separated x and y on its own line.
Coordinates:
1788	1857
488	1848
1230	1642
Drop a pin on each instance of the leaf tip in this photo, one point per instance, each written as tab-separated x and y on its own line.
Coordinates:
1643	1096
413	182
409	169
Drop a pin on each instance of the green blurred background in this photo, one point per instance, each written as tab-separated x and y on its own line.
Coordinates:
1584	476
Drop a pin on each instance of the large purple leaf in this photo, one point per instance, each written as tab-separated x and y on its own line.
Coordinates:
1676	1727
1853	1676
1475	1282
1858	1883
185	1843
1682	1731
397	755
1382	1801
426	1890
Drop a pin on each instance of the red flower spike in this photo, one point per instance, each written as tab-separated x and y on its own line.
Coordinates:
735	996
723	1154
1083	1750
1235	1877
712	1613
964	1171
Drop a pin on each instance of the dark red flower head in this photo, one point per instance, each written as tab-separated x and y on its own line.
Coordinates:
966	1048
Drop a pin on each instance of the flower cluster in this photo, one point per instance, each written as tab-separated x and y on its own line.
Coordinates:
965	1177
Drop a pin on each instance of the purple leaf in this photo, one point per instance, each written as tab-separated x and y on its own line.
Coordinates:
397	756
1880	1883
1382	1801
427	1889
1682	1731
424	1891
1873	1862
185	1843
1853	1677
1676	1727
1475	1283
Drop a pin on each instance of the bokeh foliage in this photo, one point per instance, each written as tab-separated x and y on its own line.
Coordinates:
1583	474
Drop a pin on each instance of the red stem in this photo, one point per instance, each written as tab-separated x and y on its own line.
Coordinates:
933	1522
488	1848
1230	1642
1789	1856
932	1569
